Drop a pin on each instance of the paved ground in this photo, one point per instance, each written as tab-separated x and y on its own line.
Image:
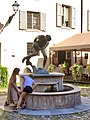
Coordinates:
2	99
80	112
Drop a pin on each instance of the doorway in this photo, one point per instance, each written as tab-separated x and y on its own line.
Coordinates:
61	57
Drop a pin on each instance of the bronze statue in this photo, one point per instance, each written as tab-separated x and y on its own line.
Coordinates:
40	44
37	70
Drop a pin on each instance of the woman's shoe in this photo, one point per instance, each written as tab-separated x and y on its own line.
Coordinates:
16	110
6	103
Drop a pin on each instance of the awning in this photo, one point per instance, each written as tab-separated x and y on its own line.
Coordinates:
77	42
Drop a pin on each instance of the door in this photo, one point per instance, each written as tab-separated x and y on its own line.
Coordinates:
61	57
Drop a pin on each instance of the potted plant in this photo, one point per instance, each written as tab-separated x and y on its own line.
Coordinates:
88	69
64	67
51	68
77	71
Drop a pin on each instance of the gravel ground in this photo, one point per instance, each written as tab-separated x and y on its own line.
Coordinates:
15	116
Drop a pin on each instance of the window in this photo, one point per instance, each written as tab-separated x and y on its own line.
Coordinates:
29	20
33	20
30	49
88	20
68	54
65	16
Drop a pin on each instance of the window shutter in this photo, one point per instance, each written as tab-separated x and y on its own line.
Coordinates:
22	20
73	19
43	22
88	20
58	15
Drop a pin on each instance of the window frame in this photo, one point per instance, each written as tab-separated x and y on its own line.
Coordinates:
23	21
64	15
30	49
33	14
60	16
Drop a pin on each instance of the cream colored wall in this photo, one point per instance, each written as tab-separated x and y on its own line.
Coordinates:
86	7
14	41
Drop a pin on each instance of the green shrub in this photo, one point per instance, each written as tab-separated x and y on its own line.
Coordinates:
51	68
77	71
3	76
64	67
88	69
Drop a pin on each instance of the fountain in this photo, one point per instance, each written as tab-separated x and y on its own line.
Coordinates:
61	95
50	93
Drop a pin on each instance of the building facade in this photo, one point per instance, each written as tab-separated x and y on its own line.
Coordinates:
71	52
59	18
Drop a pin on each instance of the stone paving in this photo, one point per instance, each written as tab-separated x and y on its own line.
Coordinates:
14	116
82	113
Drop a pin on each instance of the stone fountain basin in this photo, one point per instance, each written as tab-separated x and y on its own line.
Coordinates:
45	80
68	98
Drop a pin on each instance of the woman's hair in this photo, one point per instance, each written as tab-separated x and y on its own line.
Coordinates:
27	70
16	71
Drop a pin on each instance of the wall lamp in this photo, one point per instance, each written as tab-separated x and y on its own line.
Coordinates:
15	6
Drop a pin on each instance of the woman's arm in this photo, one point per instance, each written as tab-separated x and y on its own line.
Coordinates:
15	86
21	81
23	74
34	85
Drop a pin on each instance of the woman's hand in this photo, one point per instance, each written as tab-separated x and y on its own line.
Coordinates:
19	92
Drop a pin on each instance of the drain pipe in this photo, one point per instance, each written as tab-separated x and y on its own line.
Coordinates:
81	25
81	16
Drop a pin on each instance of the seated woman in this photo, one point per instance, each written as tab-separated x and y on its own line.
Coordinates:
28	86
13	92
